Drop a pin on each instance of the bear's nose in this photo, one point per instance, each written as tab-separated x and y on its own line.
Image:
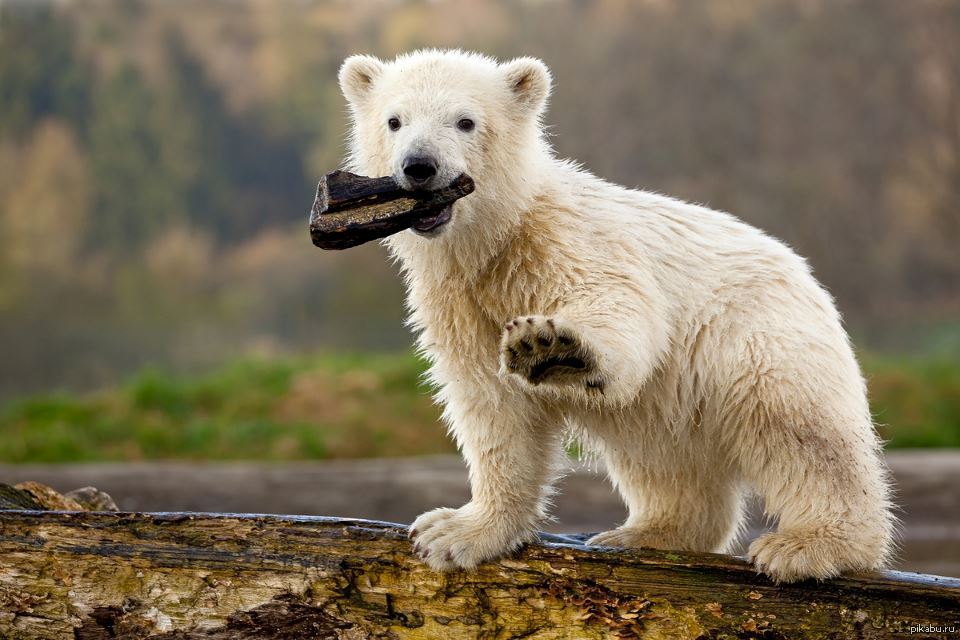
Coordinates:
419	170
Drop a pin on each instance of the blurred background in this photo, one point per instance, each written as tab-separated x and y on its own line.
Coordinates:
159	295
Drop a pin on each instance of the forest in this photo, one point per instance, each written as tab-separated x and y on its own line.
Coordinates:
158	162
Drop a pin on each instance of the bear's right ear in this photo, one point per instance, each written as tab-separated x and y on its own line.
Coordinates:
529	80
357	76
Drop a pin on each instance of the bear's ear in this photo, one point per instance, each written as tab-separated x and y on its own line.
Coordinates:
357	76
529	81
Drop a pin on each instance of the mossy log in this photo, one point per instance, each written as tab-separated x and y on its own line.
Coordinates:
97	575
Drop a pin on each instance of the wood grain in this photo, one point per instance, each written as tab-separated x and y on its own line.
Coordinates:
179	575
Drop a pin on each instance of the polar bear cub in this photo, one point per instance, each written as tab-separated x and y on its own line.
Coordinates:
697	356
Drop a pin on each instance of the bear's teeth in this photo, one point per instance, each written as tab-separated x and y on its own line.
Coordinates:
431	222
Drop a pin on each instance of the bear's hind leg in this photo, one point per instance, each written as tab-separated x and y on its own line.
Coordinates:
824	480
678	510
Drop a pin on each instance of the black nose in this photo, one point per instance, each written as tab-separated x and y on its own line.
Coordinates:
419	170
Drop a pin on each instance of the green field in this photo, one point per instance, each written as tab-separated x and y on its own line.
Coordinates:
348	406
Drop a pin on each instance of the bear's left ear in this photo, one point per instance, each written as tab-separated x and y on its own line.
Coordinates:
529	81
357	76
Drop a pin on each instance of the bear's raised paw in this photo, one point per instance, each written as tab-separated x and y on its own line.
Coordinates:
545	350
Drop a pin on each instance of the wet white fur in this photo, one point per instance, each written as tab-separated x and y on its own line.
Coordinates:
723	362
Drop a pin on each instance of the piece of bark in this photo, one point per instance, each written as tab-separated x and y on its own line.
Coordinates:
16	498
350	209
45	497
92	499
39	497
192	576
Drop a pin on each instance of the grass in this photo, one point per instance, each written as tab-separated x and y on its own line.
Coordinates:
322	407
915	402
345	406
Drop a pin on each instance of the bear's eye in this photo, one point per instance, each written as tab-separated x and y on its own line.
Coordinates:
393	123
465	124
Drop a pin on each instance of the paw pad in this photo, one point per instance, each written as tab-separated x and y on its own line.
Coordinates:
542	349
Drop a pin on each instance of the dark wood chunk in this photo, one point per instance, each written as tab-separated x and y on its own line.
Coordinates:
350	209
342	190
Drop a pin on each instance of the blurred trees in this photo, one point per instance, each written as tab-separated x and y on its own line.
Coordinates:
157	159
47	206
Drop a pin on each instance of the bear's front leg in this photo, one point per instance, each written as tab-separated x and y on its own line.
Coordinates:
513	455
542	349
601	343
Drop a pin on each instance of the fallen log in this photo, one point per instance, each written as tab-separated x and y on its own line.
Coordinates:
349	209
190	575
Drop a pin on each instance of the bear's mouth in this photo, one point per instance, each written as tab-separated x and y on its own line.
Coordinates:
431	224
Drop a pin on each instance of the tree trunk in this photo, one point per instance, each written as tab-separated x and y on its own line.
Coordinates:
105	575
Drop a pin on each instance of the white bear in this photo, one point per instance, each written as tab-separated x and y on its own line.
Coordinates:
697	356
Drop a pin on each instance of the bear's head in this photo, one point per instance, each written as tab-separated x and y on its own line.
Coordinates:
428	116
